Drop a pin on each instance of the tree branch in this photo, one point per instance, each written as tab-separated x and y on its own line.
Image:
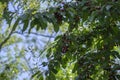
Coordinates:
37	34
2	43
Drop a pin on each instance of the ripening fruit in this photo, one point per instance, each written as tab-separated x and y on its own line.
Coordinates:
64	49
58	16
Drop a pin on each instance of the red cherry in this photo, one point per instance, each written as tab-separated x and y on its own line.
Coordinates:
64	49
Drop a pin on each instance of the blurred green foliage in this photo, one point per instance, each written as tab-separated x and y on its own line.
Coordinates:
86	49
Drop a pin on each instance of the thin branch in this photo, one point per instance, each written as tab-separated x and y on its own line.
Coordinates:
2	43
32	69
28	65
37	34
46	45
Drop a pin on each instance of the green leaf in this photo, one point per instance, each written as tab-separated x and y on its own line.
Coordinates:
51	76
32	24
26	22
38	27
44	64
50	18
37	23
34	75
40	21
93	16
16	24
54	22
58	37
43	23
41	78
75	68
24	17
115	54
56	28
54	71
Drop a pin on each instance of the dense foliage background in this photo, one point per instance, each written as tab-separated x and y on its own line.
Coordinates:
86	45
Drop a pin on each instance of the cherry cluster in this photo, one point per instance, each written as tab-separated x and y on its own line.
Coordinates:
58	16
66	41
61	8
